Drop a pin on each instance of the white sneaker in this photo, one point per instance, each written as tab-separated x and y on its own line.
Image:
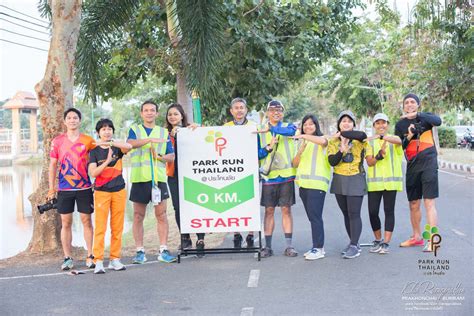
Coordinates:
99	267
314	254
116	265
319	249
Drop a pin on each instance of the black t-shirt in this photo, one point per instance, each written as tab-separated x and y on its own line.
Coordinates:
111	179
425	156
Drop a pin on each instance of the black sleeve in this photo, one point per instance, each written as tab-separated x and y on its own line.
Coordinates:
335	159
93	156
429	118
357	135
401	134
120	154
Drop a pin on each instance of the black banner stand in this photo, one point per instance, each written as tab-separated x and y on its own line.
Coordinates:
185	252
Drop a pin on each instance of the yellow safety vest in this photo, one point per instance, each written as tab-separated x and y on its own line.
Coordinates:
386	174
231	123
282	157
141	157
314	170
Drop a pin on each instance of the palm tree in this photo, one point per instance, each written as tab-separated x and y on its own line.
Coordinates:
195	36
194	29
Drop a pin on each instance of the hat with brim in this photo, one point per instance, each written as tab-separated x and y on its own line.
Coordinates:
275	104
380	116
347	113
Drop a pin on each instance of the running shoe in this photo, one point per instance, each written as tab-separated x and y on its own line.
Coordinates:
67	264
140	257
237	241
186	243
99	267
412	242
343	252
200	248
290	252
321	250
266	252
385	248
90	262
314	254
352	252
165	256
376	246
249	241
116	265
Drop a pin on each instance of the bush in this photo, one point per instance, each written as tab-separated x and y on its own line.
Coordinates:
447	137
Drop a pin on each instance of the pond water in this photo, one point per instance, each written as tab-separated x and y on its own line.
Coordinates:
16	220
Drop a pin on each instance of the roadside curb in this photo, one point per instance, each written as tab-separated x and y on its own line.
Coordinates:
455	166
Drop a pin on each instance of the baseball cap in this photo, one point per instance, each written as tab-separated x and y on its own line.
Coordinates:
275	104
380	116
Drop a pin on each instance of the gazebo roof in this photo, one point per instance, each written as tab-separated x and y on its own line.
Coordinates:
22	100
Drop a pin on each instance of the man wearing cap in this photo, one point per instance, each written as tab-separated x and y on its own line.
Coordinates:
415	131
384	179
278	187
239	110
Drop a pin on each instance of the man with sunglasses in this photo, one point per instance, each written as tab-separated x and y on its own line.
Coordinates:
278	187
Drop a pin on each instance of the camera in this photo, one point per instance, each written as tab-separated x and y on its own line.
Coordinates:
49	205
417	129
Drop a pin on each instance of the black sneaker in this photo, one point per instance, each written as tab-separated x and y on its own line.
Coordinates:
237	241
200	248
266	252
186	243
249	241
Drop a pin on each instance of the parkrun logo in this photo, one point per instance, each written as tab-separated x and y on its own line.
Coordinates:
218	140
431	235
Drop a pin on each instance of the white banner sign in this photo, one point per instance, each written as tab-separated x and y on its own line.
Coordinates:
218	179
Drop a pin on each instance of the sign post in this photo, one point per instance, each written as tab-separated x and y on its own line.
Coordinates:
219	182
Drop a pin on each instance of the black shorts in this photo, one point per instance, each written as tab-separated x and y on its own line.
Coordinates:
280	194
141	192
422	184
84	199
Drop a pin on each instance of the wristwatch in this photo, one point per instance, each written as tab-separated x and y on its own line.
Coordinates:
268	149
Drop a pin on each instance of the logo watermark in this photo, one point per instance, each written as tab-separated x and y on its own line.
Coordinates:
433	238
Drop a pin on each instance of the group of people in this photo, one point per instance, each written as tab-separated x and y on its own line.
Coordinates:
285	156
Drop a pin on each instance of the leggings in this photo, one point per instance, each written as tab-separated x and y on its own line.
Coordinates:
173	184
350	207
313	201
388	206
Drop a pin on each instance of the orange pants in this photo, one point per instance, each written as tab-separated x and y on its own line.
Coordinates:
103	203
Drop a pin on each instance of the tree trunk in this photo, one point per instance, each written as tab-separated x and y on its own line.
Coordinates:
55	92
184	96
174	33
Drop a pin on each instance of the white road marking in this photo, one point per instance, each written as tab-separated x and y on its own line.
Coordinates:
247	311
253	278
459	233
67	272
457	175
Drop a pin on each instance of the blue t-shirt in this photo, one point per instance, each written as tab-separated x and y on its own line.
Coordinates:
169	145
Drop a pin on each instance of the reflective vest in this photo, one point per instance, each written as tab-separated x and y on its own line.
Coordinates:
231	123
282	157
141	157
386	174
314	170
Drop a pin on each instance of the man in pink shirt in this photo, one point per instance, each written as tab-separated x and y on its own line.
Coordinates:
71	150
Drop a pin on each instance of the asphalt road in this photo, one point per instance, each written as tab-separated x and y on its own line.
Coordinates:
237	284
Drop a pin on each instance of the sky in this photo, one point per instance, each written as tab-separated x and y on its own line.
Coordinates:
22	67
